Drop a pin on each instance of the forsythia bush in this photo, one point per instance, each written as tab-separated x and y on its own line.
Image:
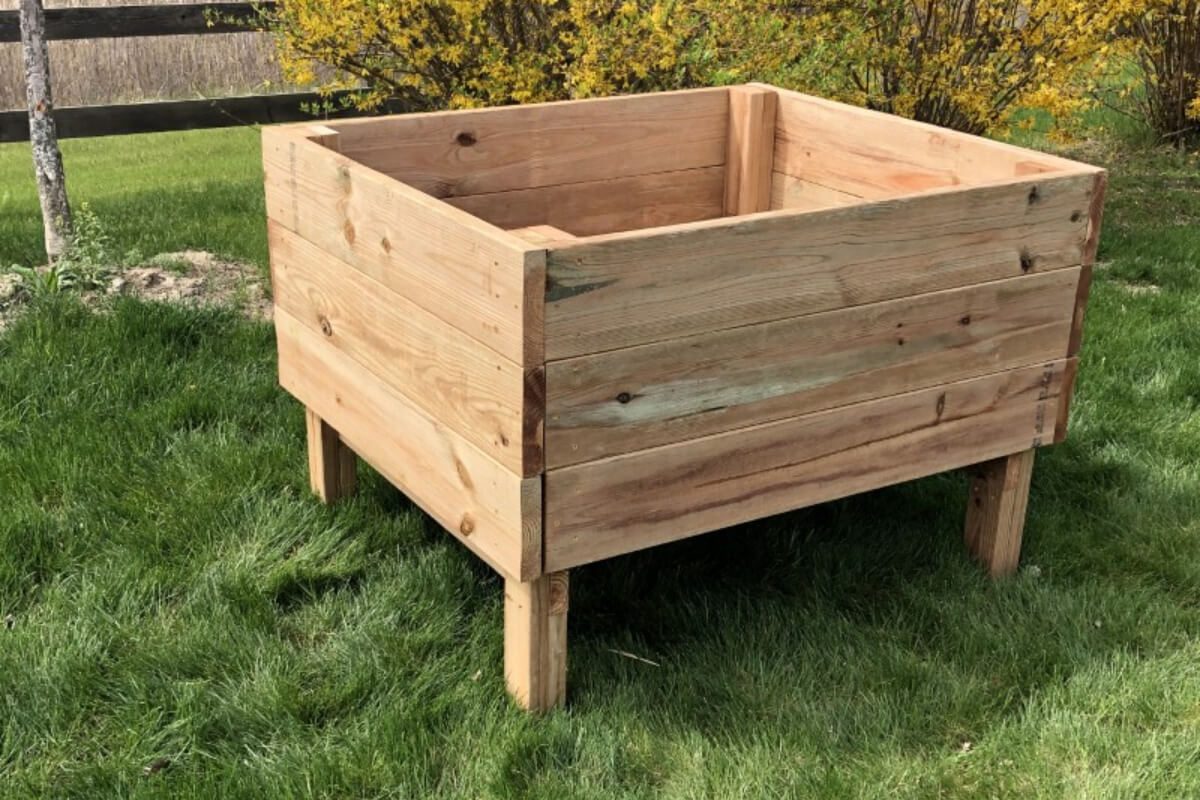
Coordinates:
965	64
430	54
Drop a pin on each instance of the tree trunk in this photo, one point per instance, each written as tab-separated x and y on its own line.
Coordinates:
47	159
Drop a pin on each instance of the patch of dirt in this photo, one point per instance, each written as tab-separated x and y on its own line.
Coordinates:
189	277
10	298
1138	289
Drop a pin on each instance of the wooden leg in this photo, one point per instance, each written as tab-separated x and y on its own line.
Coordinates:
535	641
996	511
331	464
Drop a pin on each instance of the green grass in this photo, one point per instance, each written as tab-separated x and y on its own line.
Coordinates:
156	193
175	593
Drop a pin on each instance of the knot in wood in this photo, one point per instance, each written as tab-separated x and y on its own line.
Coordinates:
467	526
326	326
466	139
624	398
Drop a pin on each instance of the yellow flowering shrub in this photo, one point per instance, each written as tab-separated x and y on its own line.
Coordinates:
462	53
965	64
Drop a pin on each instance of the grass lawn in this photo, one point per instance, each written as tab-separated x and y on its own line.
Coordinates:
173	592
156	193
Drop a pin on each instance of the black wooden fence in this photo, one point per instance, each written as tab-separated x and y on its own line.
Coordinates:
172	115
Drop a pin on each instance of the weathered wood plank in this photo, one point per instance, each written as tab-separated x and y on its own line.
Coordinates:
887	156
535	641
625	400
996	511
479	501
473	275
451	154
452	377
751	149
630	502
332	466
619	204
610	292
791	192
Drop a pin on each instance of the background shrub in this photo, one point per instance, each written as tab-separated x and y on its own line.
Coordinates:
1157	78
462	53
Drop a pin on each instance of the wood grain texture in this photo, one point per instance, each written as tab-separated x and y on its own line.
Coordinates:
616	291
618	505
535	641
452	154
878	155
788	192
542	235
453	378
332	466
996	511
751	149
471	274
595	207
483	504
625	400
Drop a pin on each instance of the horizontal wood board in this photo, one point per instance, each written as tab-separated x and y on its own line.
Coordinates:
630	502
640	397
452	377
788	192
473	275
452	154
611	292
595	207
876	155
492	510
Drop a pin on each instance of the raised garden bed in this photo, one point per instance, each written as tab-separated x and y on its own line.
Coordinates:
576	330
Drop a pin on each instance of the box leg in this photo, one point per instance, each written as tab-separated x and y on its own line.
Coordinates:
332	465
996	511
535	641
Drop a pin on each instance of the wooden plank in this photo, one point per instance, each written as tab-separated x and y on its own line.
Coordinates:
470	274
452	154
452	377
75	122
751	150
620	204
541	235
619	505
625	400
791	192
535	641
996	511
479	501
610	292
879	155
129	21
332	466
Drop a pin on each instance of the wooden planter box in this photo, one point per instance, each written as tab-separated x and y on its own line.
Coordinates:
576	330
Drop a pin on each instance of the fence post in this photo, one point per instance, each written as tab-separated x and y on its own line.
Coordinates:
47	158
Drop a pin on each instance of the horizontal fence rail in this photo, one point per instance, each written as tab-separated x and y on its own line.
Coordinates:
74	122
121	22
